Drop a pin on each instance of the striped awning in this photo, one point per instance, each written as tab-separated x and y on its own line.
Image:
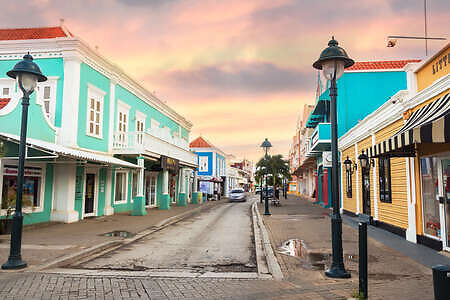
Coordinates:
429	124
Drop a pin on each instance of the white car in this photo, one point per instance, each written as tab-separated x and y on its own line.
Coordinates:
238	195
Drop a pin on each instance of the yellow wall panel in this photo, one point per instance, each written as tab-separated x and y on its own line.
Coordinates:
349	203
435	69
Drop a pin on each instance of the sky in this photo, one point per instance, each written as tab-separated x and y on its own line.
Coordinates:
239	70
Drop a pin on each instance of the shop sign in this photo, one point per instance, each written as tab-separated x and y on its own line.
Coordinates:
31	172
441	63
168	163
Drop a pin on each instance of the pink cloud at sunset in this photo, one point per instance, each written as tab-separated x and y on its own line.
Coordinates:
239	70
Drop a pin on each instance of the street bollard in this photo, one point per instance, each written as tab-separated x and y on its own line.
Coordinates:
441	282
363	289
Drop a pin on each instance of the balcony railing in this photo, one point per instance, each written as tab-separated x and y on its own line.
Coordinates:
154	141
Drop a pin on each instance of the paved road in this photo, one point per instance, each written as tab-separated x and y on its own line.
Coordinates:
216	240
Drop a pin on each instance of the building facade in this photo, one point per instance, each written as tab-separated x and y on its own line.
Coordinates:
405	188
98	142
212	168
357	97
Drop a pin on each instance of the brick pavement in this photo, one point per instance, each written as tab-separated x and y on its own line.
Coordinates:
391	274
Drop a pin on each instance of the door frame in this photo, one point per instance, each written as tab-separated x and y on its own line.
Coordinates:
94	171
365	174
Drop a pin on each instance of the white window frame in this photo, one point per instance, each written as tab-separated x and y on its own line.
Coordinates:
98	95
125	173
52	84
151	176
123	108
154	123
27	209
140	119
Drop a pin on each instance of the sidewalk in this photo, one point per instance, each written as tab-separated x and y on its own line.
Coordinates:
392	275
46	243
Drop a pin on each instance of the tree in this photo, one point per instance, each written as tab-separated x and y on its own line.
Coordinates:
277	169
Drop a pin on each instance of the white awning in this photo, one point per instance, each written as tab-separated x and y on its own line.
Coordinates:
70	152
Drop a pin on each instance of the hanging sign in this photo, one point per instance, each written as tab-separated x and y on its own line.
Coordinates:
168	163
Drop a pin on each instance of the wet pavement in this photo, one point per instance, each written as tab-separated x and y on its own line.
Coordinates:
219	240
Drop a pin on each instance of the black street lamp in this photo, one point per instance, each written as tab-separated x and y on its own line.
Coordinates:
333	60
266	145
27	74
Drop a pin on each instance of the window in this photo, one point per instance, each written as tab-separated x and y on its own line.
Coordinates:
31	196
349	183
122	123
46	96
134	182
154	124
6	92
203	163
121	187
384	176
95	113
140	127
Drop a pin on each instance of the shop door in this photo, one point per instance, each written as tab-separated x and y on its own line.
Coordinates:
366	192
89	196
445	202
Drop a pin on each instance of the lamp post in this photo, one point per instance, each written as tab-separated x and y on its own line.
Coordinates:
27	74
266	145
332	61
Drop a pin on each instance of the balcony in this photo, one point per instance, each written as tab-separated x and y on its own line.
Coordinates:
154	142
320	140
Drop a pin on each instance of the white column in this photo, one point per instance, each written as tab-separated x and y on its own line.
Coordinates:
182	181
357	179
108	208
374	182
165	183
195	190
140	183
411	234
65	178
112	102
71	95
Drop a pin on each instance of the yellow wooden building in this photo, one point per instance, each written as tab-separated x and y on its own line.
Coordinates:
405	187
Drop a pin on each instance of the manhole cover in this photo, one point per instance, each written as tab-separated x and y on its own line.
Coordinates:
119	233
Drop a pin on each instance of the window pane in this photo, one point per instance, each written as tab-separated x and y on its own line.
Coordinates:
47	92
91	127
5	91
124	118
120	116
119	184
47	107
429	173
91	116
97	130
92	103
98	105
97	117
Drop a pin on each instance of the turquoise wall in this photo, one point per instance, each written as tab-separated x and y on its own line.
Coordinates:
136	103
89	75
79	191
360	94
101	192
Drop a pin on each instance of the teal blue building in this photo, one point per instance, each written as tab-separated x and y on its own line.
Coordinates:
362	89
98	142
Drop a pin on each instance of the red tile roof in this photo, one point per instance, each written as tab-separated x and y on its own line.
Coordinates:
380	65
200	143
4	102
31	33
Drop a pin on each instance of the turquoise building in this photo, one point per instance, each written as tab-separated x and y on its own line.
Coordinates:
98	142
362	89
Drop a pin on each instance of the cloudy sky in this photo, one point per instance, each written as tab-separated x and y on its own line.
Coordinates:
240	70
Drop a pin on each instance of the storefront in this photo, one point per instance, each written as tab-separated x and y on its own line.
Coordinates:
404	186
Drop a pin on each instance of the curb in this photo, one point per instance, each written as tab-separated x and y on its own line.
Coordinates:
103	248
272	262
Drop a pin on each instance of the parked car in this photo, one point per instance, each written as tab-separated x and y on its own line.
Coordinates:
257	190
238	195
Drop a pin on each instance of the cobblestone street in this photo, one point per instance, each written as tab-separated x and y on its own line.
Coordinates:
51	286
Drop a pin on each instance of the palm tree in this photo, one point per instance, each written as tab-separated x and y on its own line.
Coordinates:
277	169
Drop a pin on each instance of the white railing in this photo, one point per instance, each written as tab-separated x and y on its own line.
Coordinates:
155	141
